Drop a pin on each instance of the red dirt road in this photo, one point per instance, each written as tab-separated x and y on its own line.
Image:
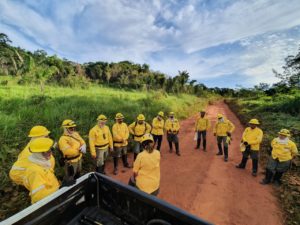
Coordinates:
206	186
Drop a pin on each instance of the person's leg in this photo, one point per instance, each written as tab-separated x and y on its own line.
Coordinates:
136	149
204	139
155	138
245	156
69	172
105	154
270	169
98	161
254	157
169	137
124	157
198	140
159	140
116	156
219	141
225	144
176	141
282	167
77	169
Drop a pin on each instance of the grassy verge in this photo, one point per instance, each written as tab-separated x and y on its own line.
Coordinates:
276	113
22	107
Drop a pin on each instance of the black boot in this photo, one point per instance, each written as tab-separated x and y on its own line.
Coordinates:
115	165
225	153
204	145
177	149
125	162
170	146
243	163
254	167
268	177
277	178
220	149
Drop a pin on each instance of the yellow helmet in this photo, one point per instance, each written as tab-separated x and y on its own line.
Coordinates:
254	121
161	113
284	132
119	116
41	145
219	116
141	117
171	114
102	118
68	123
38	131
147	137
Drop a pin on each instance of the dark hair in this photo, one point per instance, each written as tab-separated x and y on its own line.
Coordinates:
147	145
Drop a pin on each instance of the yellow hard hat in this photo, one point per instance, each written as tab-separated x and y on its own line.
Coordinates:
119	116
147	137
141	117
219	116
102	118
254	121
161	113
38	131
41	145
284	132
68	123
171	114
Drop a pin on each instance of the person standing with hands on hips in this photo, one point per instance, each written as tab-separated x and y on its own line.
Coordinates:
172	126
201	126
158	124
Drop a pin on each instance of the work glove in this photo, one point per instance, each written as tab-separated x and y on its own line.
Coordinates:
83	148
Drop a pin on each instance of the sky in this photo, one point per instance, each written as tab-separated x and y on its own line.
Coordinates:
223	43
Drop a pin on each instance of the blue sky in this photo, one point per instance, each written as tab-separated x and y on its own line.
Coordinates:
219	42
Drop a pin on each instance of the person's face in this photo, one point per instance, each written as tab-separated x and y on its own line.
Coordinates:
71	129
202	114
253	126
47	155
102	123
172	116
140	121
120	120
282	137
159	117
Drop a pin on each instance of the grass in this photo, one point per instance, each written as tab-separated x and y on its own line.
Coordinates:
275	113
22	107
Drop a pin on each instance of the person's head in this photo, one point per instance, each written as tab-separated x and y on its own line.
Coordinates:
69	126
283	134
202	114
171	115
147	142
102	119
253	123
220	117
42	146
140	119
38	132
119	118
160	115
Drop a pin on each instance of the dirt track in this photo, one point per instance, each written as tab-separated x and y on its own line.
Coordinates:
204	185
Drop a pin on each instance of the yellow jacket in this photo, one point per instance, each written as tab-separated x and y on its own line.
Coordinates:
147	168
202	124
70	146
172	126
100	138
158	126
120	134
283	151
39	181
138	130
17	171
253	137
221	128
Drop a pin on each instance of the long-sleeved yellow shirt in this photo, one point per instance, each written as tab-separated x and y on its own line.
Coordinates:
70	145
283	151
253	137
138	130
221	128
172	125
158	126
100	138
202	124
120	134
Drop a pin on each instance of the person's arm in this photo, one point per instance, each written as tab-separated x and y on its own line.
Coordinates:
294	149
131	128
92	138
148	128
66	148
244	135
115	133
215	129
231	127
126	132
110	139
196	124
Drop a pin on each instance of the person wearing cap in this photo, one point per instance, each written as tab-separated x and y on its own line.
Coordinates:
283	151
172	127
201	126
138	129
72	147
250	145
39	178
223	129
101	141
146	168
158	124
120	134
18	169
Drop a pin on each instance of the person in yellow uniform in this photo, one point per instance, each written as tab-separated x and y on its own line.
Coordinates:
101	141
39	178
158	125
250	145
120	134
138	129
223	130
172	127
72	146
201	127
146	169
283	151
18	169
